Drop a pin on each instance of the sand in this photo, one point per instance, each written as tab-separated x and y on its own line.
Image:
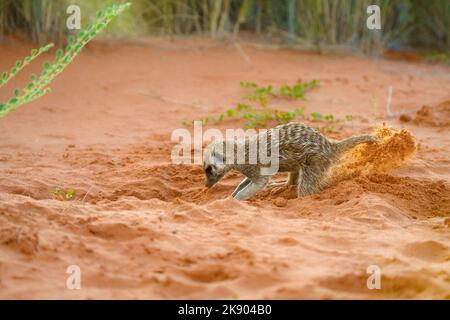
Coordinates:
139	226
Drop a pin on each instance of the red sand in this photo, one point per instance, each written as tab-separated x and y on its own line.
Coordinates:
141	227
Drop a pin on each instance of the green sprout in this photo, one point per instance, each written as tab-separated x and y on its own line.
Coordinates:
287	116
316	116
62	194
38	85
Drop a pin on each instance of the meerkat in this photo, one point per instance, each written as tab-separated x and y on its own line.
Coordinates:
303	152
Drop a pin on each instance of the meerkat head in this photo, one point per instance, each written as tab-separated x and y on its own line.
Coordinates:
214	164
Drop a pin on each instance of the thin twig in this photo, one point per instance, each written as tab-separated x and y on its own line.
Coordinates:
167	99
242	52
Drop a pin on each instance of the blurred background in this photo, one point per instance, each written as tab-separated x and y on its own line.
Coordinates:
408	25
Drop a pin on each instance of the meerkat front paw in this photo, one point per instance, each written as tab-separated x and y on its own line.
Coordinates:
240	196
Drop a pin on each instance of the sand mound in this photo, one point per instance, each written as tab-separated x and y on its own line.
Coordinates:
422	198
437	116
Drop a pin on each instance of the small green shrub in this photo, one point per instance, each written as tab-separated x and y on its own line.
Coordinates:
254	118
261	118
298	90
262	94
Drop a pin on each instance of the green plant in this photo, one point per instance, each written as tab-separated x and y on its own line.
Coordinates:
62	194
262	94
287	116
254	118
316	116
38	86
298	90
22	64
259	93
261	118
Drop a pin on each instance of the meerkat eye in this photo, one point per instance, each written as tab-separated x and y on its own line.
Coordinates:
208	170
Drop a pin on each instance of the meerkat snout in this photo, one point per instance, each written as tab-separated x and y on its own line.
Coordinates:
213	164
211	177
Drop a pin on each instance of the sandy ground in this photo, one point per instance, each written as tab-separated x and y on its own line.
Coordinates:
141	227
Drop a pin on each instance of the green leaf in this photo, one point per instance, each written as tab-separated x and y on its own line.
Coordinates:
67	59
316	116
16	92
243	107
34	52
4	75
77	48
59	54
100	26
230	112
81	34
245	84
13	101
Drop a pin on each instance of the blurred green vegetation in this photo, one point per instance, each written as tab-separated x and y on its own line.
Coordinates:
423	24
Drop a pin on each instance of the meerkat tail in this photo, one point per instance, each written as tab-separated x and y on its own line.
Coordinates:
347	144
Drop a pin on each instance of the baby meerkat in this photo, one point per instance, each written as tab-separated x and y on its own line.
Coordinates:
302	151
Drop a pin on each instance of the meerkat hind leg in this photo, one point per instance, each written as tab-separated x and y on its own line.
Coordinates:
241	185
310	179
252	188
291	181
